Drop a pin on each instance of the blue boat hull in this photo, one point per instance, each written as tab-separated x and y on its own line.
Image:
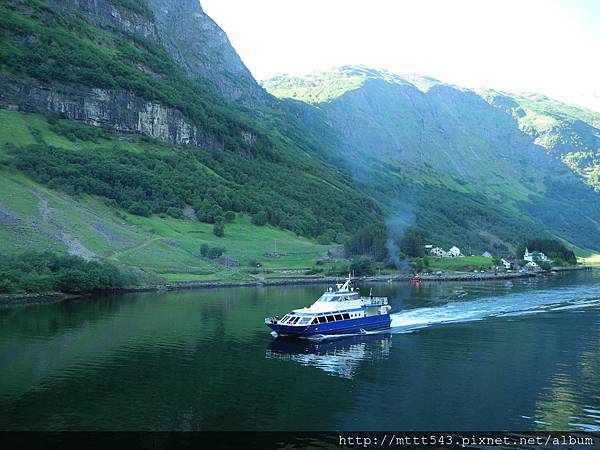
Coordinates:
339	327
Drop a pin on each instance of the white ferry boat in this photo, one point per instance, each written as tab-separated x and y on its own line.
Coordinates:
336	312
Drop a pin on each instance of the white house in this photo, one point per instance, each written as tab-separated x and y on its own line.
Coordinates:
439	252
538	256
507	265
454	252
487	255
531	264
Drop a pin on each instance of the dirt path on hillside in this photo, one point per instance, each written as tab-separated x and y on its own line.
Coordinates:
74	245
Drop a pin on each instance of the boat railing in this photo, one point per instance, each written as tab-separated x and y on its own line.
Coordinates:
376	300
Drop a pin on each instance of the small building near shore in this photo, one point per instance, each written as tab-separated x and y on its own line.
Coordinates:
454	252
439	252
487	255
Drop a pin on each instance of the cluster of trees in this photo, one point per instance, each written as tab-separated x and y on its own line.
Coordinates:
75	131
216	185
207	251
368	240
50	272
359	266
420	264
413	243
374	240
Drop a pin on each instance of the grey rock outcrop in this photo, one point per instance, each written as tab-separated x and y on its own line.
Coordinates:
203	49
120	110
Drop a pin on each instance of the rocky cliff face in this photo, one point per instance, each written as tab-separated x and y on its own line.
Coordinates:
120	110
195	42
192	38
200	46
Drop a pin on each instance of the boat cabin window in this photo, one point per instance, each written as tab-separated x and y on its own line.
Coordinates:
330	319
304	320
321	319
338	317
346	316
326	298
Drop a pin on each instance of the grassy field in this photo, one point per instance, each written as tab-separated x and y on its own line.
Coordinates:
33	216
591	260
468	263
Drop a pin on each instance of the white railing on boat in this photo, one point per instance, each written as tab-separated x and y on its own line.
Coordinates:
375	300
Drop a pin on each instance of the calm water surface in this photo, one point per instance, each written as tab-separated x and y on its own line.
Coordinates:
499	355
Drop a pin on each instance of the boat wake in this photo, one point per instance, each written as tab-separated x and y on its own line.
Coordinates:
504	306
511	305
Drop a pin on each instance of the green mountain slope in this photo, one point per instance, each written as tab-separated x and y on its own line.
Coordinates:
566	132
462	168
112	147
129	128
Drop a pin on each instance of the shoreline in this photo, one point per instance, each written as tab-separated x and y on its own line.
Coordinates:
55	297
42	298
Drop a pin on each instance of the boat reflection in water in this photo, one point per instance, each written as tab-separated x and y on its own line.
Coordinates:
339	356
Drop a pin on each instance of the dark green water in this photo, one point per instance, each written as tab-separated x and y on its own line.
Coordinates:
504	355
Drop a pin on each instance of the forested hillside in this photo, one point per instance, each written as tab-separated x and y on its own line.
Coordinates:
117	145
224	158
568	133
475	170
132	132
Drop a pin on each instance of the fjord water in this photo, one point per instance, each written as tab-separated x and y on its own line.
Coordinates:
522	354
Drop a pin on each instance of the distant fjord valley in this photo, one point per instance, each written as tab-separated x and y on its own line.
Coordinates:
136	148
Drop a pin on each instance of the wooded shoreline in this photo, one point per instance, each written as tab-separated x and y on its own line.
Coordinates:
54	297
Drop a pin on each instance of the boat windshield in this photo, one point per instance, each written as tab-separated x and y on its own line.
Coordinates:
326	298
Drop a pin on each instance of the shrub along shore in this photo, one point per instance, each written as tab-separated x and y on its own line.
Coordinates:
52	297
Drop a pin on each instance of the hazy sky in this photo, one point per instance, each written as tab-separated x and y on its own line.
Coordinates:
545	46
